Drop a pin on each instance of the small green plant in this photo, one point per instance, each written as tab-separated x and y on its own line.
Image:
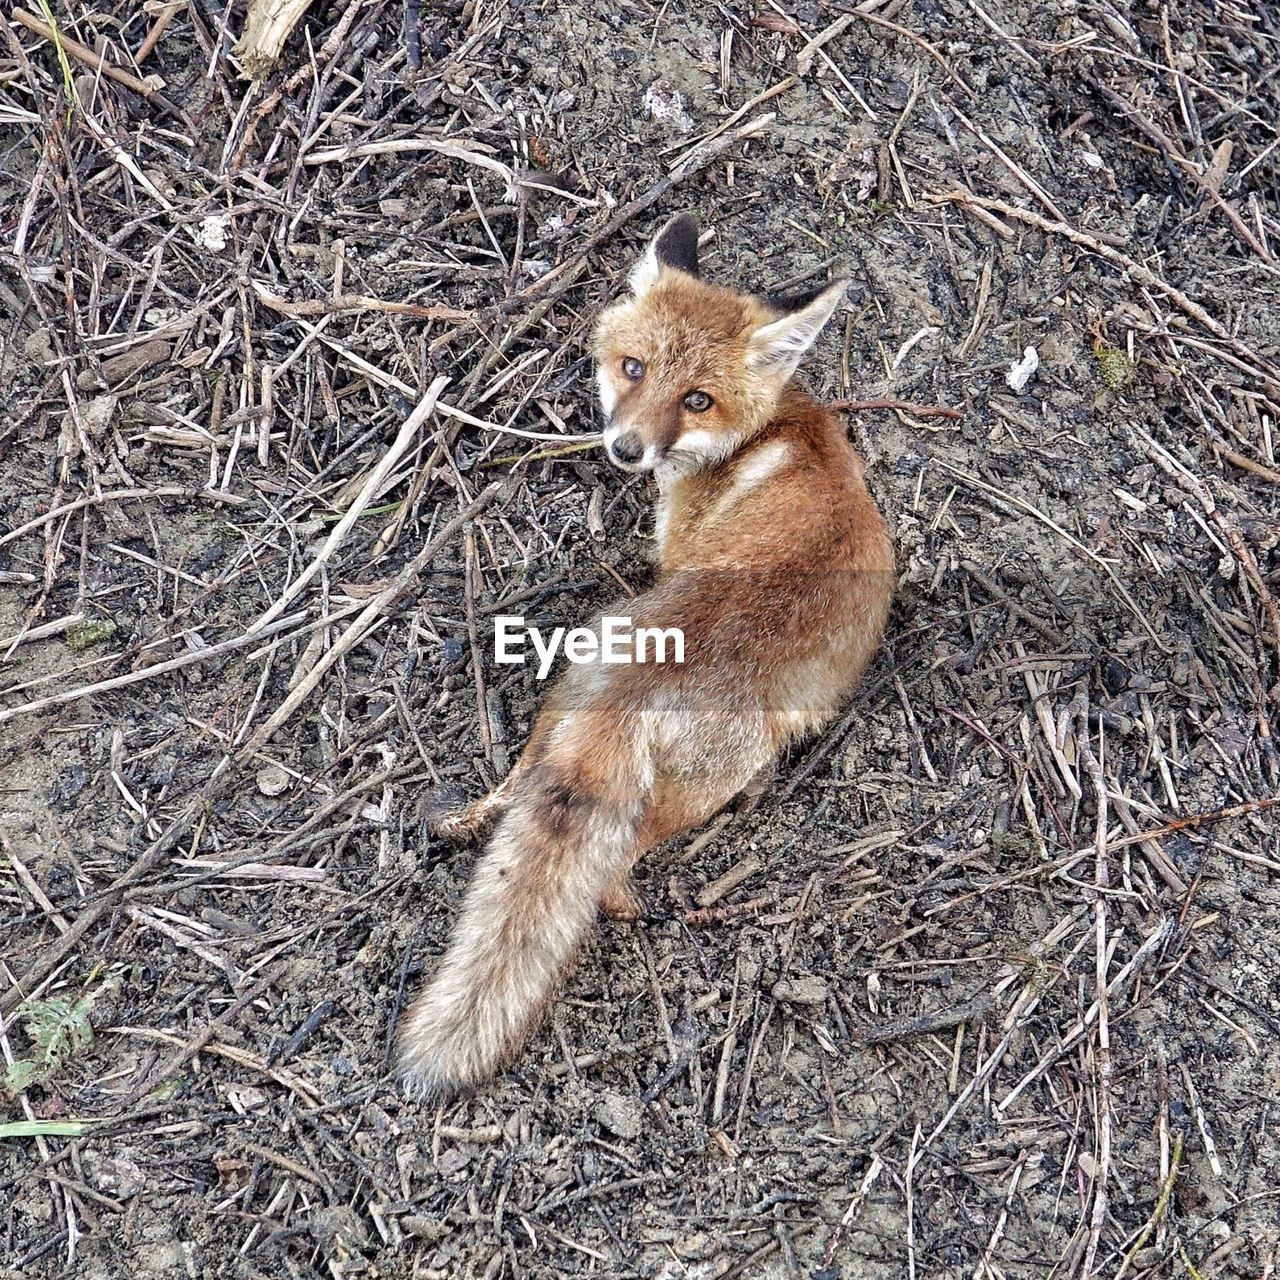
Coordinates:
1117	369
84	635
59	1028
1034	969
68	80
1010	844
44	1129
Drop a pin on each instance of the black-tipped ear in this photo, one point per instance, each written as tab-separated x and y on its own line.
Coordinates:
785	303
676	244
776	347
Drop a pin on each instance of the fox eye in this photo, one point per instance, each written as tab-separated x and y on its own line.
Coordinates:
698	402
633	368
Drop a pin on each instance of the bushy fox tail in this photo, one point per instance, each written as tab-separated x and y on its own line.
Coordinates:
532	899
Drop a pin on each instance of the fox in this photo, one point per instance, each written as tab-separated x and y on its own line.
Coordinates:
776	564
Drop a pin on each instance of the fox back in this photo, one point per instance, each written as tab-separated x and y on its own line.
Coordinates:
775	564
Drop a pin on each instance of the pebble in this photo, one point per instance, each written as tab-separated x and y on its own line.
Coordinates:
619	1114
807	990
272	780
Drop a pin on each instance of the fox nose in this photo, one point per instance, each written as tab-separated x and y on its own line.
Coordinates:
628	448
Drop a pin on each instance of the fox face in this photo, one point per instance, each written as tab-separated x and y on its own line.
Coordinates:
687	371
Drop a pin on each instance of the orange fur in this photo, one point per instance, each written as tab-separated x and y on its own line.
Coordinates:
777	566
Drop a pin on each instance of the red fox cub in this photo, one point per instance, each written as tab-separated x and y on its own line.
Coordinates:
775	564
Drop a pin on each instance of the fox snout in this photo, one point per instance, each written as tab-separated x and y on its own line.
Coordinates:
628	449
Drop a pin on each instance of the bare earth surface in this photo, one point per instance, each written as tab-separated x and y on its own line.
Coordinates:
993	987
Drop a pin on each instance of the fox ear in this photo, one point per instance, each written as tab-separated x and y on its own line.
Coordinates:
776	347
676	245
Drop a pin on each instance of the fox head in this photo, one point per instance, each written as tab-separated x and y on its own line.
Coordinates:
687	370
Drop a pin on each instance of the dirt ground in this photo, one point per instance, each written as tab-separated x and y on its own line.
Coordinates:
993	987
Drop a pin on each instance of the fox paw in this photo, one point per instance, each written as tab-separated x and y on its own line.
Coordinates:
449	815
622	903
750	796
